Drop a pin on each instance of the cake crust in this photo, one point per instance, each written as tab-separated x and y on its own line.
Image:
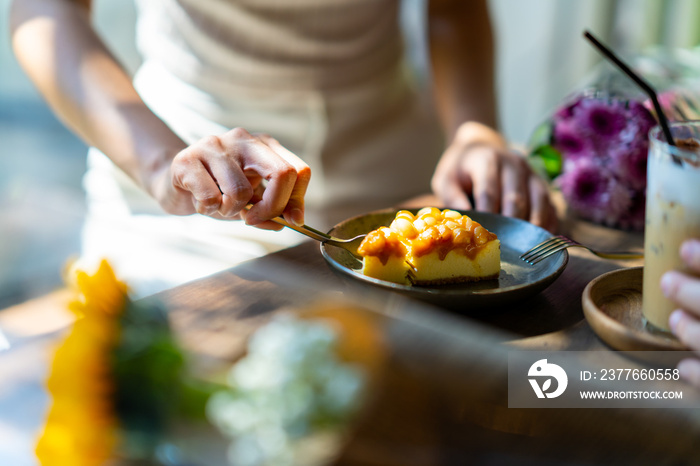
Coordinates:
452	281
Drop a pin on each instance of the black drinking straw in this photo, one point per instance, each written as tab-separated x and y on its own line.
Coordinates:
640	82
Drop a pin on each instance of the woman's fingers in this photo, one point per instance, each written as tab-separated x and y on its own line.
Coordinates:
294	210
689	369
223	174
258	159
213	184
483	165
686	327
446	182
236	189
525	194
259	162
498	180
683	289
515	197
690	253
542	212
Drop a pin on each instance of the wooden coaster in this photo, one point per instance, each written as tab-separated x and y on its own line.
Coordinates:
612	304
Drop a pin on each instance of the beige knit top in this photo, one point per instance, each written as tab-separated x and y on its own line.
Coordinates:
304	44
324	77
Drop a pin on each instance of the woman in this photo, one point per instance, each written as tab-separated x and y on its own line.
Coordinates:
238	102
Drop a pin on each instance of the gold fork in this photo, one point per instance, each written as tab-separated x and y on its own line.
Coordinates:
349	244
559	243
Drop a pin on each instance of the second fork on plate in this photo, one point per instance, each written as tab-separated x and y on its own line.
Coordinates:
558	243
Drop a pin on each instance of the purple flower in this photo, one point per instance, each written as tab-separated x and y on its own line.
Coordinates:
570	141
603	141
602	119
639	114
639	122
593	192
567	111
629	164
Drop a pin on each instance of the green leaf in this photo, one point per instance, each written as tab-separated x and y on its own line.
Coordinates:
542	136
148	367
547	161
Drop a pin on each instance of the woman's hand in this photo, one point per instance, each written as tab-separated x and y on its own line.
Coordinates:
684	289
479	165
219	175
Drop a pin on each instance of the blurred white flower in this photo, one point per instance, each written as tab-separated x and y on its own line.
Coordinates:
289	386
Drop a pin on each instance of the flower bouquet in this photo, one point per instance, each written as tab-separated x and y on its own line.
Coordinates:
595	145
117	380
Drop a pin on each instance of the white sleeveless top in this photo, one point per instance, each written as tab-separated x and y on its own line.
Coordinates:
326	78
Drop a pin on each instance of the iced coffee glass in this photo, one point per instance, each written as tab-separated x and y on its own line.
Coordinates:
672	213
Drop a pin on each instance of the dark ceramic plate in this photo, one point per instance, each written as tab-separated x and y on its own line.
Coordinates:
517	280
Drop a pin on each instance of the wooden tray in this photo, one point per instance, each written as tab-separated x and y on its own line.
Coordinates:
612	304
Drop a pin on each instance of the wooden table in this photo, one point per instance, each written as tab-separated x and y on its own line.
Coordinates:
441	395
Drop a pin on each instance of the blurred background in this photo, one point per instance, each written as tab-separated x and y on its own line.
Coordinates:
541	58
41	165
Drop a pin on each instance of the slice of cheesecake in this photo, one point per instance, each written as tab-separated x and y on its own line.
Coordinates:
433	247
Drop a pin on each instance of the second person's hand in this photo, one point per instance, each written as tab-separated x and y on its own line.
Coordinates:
684	290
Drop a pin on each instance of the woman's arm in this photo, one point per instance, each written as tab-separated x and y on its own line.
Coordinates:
86	87
477	163
462	59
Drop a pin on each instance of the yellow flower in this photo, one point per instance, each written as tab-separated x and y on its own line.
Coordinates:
81	427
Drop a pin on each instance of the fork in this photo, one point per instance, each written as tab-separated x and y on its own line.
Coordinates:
349	244
559	243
